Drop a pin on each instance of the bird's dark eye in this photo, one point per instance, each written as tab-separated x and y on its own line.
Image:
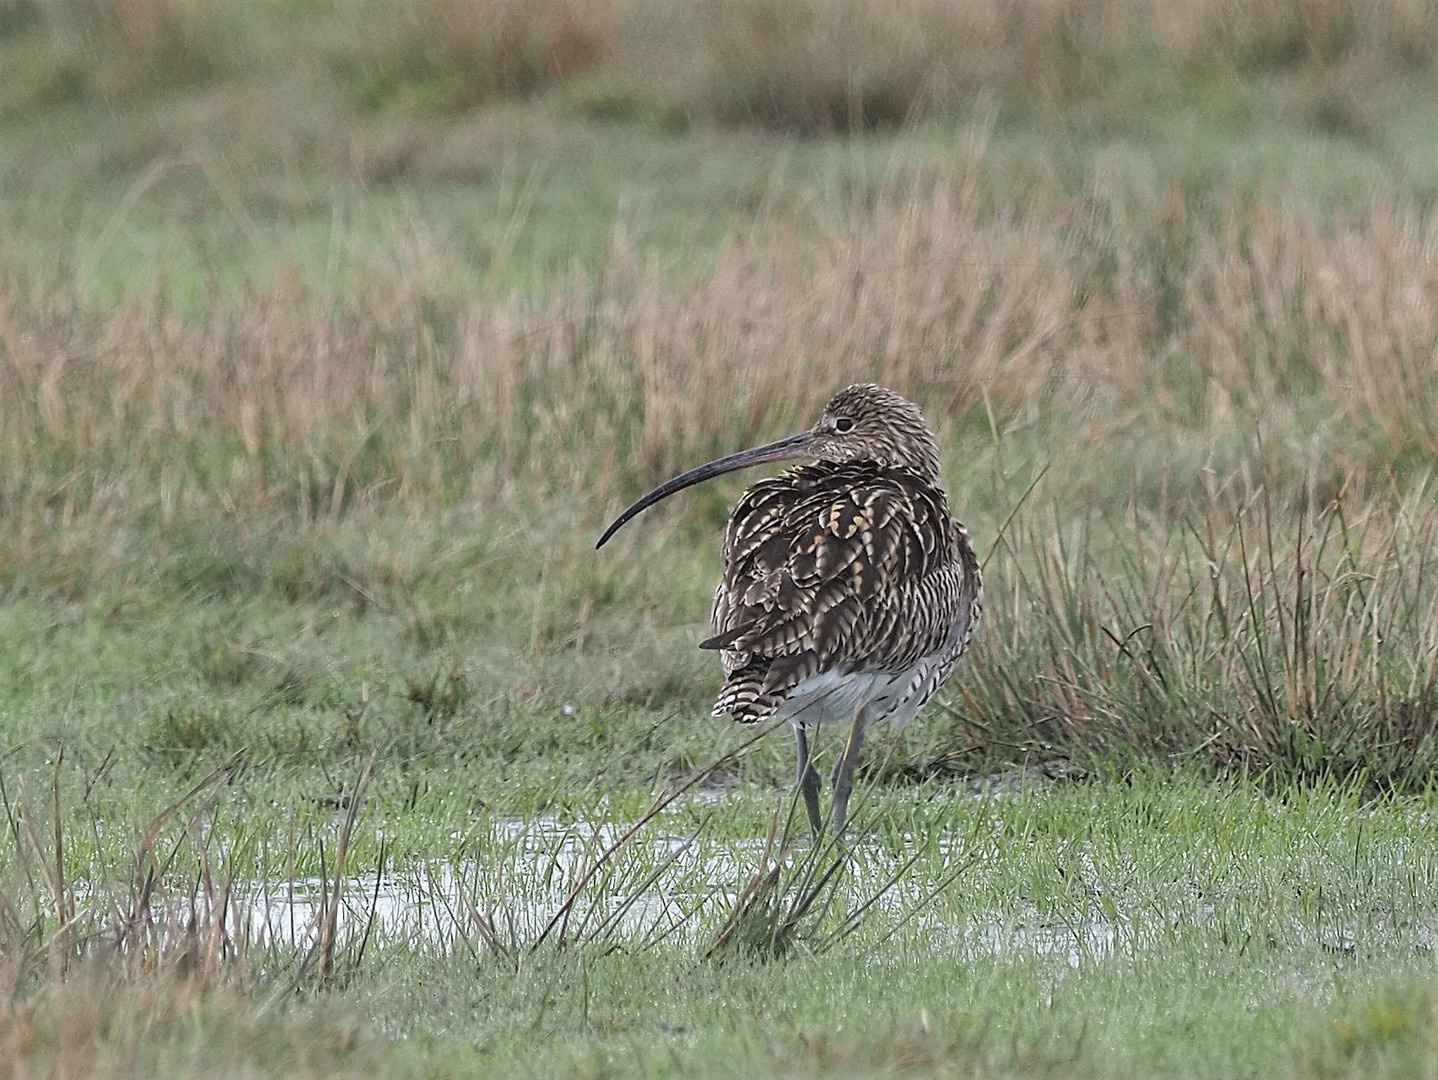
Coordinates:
843	424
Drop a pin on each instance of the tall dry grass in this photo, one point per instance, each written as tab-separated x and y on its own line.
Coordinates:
400	395
280	398
457	54
824	65
1264	35
140	47
851	64
802	65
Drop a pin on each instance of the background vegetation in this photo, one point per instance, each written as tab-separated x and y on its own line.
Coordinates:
331	335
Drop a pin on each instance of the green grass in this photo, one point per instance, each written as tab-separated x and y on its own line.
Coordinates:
1160	926
322	375
266	171
1157	923
518	198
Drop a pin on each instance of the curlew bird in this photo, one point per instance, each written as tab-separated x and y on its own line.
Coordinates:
849	591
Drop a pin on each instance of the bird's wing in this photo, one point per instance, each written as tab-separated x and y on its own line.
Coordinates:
821	564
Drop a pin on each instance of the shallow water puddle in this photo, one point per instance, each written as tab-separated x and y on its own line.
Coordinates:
524	875
523	880
654	887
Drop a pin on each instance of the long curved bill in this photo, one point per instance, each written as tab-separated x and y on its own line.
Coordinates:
782	450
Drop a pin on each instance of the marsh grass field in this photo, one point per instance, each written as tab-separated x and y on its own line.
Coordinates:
331	335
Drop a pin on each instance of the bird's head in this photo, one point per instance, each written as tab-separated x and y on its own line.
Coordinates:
861	423
872	423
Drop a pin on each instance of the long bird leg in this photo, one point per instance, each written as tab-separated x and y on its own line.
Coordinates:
808	781
844	771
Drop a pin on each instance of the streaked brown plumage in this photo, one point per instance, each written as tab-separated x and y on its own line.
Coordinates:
849	591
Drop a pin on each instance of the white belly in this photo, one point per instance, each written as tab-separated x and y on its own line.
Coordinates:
833	697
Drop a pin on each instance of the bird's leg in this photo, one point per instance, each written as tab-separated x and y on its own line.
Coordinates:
844	771
808	781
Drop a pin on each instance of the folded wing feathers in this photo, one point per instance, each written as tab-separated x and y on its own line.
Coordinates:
831	566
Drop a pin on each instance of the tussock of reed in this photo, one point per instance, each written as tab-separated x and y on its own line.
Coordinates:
825	65
822	65
1257	628
169	914
148	46
456	54
169	930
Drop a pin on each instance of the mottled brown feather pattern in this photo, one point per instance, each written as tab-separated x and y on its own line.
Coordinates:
849	591
850	566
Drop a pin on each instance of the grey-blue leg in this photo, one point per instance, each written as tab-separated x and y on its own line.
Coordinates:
808	781
844	772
